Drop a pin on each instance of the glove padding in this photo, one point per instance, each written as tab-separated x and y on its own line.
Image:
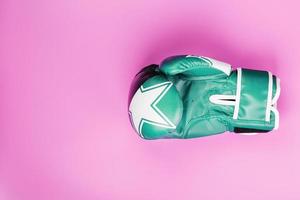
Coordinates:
190	96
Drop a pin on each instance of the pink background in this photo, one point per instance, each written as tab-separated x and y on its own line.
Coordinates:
65	72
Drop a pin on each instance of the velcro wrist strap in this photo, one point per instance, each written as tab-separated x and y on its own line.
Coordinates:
254	100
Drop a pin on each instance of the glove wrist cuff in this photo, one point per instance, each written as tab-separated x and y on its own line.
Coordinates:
255	105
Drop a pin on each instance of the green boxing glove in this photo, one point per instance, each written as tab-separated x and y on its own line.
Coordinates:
193	96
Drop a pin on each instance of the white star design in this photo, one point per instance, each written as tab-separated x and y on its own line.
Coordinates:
143	107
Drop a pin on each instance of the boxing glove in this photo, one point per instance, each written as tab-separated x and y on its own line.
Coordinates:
191	96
